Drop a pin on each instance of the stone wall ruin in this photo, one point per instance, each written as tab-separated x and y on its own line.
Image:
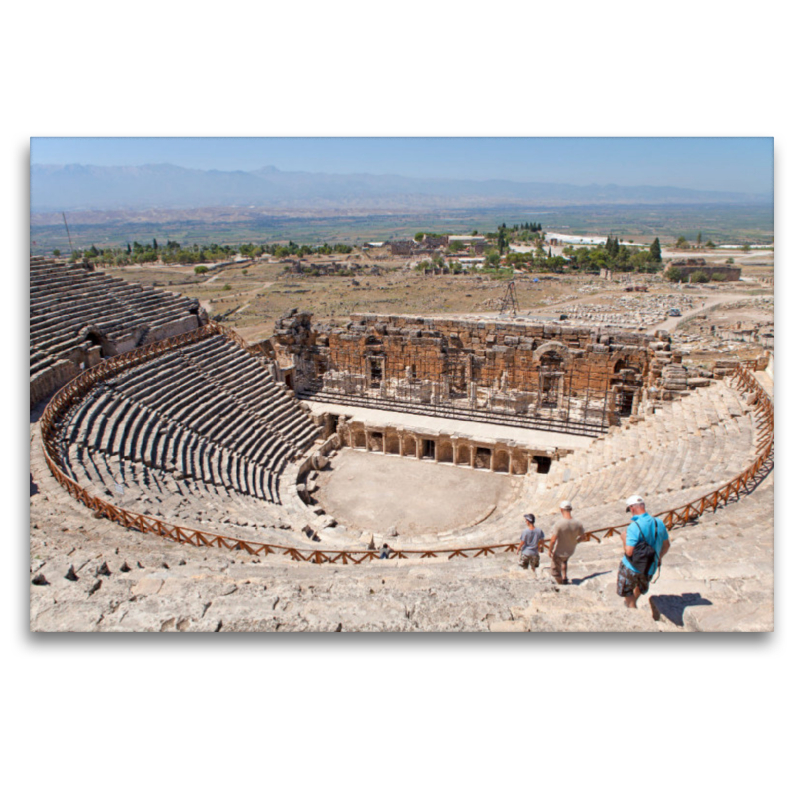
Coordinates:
80	315
577	379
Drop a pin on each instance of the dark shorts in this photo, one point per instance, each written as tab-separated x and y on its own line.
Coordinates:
628	580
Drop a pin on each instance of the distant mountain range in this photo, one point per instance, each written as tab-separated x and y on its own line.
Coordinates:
76	187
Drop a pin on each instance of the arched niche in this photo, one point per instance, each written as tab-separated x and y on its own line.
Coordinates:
552	352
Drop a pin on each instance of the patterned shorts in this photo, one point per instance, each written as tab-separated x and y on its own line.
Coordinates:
529	558
558	564
628	580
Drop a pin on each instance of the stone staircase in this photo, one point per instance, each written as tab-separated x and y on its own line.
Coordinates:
718	576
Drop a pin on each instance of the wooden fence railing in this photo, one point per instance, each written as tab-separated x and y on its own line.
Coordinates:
675	517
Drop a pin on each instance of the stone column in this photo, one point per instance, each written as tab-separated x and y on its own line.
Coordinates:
491	459
418	443
472	456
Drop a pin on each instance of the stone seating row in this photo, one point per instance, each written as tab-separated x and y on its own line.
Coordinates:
107	316
221	402
676	470
712	407
196	504
64	299
131	431
200	429
244	376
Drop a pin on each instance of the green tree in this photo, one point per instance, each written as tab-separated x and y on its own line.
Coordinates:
418	236
729	260
746	248
655	251
698	276
710	245
718	276
200	270
493	258
673	274
502	239
681	243
56	252
699	238
640	262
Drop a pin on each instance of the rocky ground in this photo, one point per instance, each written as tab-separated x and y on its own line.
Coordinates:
89	574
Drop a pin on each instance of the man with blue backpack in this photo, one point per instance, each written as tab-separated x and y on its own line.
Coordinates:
646	544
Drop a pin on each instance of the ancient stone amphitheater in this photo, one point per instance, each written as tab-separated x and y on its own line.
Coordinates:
180	478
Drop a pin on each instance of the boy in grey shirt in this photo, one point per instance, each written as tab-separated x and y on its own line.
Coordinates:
529	544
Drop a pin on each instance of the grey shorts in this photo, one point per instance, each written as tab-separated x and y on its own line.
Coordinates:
531	559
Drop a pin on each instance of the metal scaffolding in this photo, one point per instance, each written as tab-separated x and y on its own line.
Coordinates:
447	384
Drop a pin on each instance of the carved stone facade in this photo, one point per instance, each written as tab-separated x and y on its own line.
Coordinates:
575	376
504	456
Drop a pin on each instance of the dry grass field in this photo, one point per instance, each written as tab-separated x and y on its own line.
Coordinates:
252	296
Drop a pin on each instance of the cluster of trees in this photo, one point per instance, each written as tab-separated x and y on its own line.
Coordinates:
676	275
527	232
682	243
175	253
447	267
528	226
294	249
169	253
616	256
538	261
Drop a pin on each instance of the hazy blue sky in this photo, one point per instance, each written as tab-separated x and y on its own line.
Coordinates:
725	164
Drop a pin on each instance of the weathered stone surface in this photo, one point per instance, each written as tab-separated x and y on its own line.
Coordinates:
718	575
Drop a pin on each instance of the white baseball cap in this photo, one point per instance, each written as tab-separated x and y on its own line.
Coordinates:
566	505
634	500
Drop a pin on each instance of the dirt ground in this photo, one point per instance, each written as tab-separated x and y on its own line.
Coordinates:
425	497
252	296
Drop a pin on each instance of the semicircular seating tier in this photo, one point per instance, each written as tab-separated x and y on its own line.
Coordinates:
199	435
682	451
79	315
